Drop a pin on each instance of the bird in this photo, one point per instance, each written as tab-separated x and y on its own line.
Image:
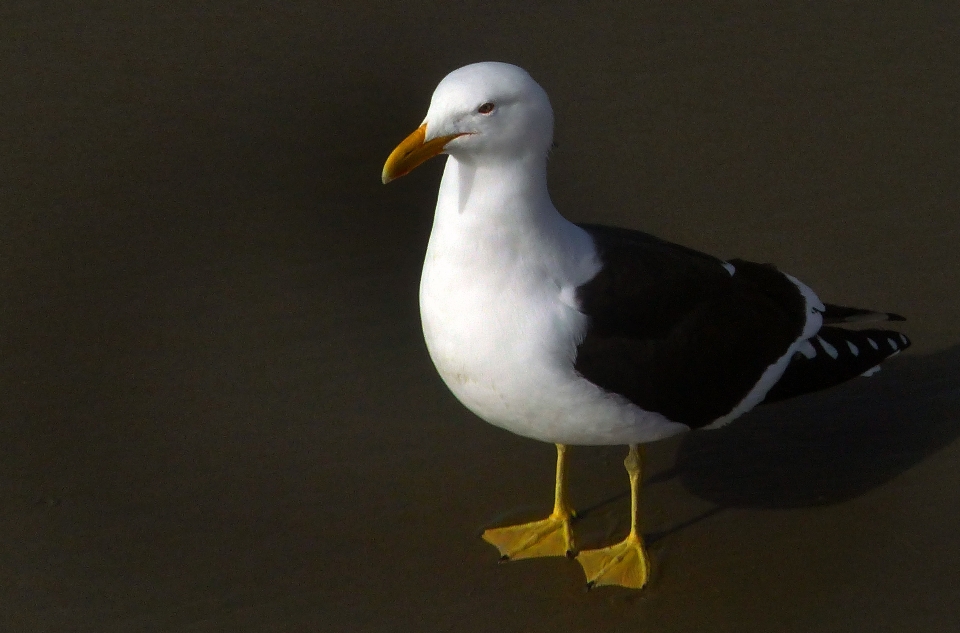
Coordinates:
584	334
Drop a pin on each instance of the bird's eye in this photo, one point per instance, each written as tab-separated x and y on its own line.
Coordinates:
486	108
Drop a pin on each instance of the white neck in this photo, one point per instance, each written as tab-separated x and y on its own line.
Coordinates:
494	189
497	216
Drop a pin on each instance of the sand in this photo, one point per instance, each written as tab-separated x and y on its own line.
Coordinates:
217	411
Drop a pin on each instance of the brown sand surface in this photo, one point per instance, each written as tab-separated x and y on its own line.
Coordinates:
216	409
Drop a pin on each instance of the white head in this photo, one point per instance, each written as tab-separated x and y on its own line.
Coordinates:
485	111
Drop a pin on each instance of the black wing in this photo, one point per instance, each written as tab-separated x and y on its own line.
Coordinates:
843	314
834	356
674	332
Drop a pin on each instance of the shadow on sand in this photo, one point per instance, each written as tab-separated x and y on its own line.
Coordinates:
829	447
817	449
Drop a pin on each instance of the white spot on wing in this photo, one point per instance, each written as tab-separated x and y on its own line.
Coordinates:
853	348
893	344
873	343
904	339
807	349
871	371
729	268
813	305
829	349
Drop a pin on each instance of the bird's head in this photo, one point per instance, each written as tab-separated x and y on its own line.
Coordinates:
479	112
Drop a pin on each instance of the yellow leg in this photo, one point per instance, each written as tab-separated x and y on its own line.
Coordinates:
550	537
626	563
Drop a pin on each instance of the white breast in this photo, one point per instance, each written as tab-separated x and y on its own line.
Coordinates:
497	304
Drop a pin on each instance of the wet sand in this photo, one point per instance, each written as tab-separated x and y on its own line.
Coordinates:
217	411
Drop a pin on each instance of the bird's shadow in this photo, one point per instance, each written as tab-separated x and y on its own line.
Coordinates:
822	448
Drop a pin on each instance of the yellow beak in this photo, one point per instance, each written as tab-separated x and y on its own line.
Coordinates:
413	151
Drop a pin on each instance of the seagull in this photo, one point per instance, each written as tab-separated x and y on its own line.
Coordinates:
581	334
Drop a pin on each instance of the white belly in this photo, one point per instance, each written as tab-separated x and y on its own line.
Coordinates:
504	341
498	308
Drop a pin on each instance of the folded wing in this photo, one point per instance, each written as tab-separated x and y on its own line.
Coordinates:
688	335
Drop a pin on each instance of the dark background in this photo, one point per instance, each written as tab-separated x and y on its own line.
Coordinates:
216	409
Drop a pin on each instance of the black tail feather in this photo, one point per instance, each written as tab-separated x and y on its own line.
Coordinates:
833	356
841	314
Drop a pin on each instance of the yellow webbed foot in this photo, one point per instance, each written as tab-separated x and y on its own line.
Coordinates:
552	536
625	564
